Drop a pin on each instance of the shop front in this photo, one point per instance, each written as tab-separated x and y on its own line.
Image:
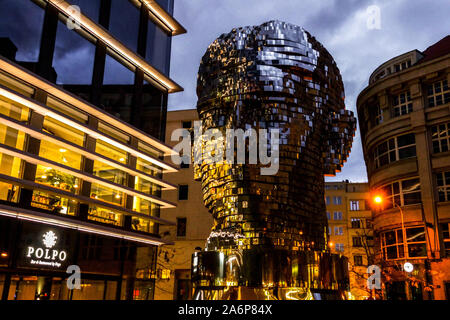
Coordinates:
35	260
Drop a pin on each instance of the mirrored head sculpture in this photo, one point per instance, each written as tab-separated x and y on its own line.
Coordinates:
270	227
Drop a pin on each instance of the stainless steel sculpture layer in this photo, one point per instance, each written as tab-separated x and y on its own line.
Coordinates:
269	239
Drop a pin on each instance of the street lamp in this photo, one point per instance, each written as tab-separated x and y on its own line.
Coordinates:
379	200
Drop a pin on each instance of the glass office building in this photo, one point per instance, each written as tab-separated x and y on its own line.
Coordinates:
83	101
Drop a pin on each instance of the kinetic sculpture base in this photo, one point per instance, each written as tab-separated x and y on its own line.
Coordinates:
269	239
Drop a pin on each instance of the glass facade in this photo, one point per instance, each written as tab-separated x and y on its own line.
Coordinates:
68	170
21	41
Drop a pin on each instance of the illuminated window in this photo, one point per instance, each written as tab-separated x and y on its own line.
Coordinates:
148	187
147	167
57	179
10	166
16	85
111	152
147	149
443	183
394	149
63	131
402	104
14	110
438	93
403	192
109	173
107	194
440	136
53	203
113	133
61	155
9	192
145	206
181	227
392	244
104	216
339	247
67	110
142	225
12	137
354	205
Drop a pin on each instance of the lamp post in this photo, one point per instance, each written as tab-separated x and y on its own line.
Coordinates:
407	266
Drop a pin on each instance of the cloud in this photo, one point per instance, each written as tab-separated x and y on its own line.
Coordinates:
340	25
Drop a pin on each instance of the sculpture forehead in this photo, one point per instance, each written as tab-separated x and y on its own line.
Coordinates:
283	43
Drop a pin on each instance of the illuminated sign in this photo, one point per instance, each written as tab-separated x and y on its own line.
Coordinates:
46	256
408	267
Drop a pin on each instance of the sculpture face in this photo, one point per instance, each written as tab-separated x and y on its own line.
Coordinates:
273	76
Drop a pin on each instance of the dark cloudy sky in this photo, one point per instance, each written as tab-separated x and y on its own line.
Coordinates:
340	25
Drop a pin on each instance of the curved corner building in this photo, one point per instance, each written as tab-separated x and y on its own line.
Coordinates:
404	117
269	239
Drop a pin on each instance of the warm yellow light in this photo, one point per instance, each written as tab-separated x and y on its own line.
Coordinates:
62	150
122	159
331	244
378	199
4	254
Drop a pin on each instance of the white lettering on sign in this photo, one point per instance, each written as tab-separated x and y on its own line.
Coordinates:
47	256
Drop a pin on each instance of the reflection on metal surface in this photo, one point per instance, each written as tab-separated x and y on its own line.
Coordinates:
271	228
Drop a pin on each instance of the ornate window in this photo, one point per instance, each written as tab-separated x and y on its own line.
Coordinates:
394	149
378	115
438	93
440	136
392	244
402	104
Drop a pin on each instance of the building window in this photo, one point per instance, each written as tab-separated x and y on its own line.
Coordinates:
378	115
446	238
337	215
187	124
392	244
337	200
402	104
394	149
327	200
440	136
183	191
57	179
357	241
181	227
338	231
111	152
354	205
56	153
328	215
443	183
329	231
339	247
402	193
124	23
63	131
438	93
158	48
356	223
358	260
107	194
